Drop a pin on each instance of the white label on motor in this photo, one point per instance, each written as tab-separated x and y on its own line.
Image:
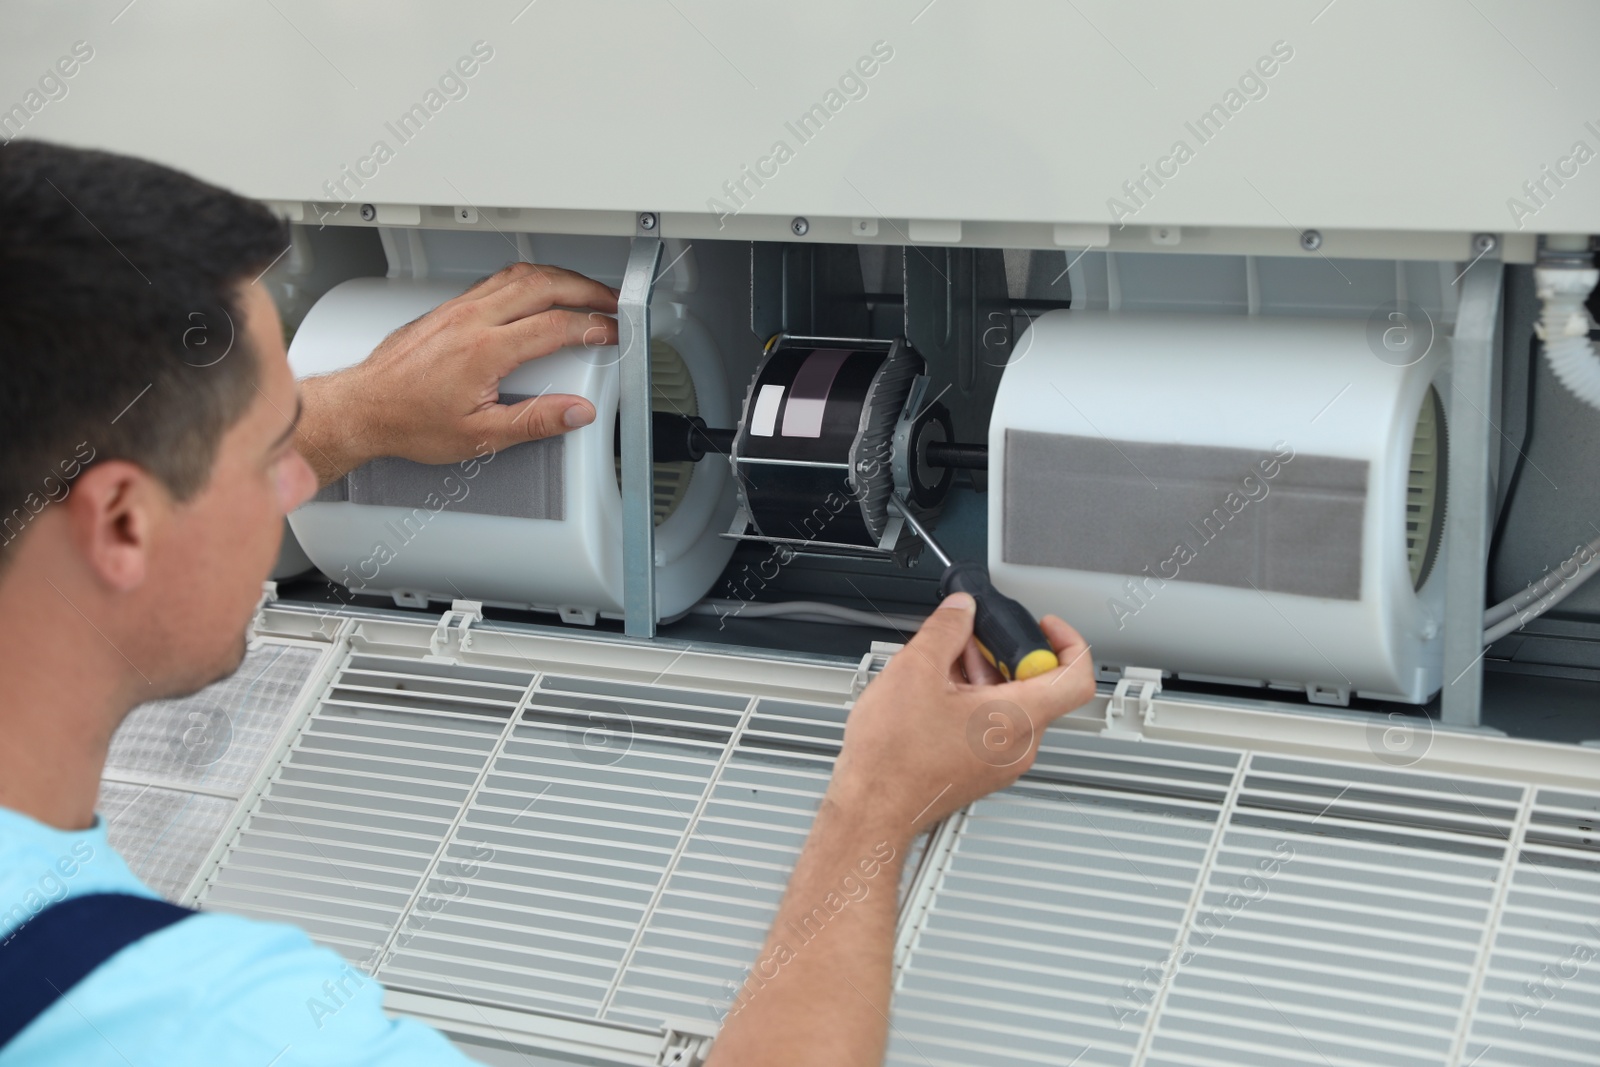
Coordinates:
764	421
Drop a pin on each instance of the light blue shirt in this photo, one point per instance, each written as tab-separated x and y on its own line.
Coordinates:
210	991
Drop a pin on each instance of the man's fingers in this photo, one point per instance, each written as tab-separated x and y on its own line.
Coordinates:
539	289
496	281
1051	695
1067	641
543	334
505	425
977	666
943	634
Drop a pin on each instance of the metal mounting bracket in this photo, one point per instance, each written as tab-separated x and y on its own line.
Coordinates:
1132	704
1469	497
638	496
891	533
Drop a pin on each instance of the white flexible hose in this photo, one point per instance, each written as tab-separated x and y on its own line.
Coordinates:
805	611
1564	326
1577	366
1541	596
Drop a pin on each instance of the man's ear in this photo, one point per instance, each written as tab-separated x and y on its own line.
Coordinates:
114	513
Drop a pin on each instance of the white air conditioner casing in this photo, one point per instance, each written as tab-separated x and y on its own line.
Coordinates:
569	562
1118	438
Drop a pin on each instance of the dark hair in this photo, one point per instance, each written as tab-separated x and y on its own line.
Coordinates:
120	328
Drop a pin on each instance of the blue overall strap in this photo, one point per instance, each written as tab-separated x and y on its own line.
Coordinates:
57	948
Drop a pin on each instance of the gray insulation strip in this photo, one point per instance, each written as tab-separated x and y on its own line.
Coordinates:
1185	513
524	481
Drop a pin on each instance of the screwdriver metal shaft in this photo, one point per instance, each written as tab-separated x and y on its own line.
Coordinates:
1008	635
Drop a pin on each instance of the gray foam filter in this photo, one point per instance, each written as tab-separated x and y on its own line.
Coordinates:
524	482
1124	507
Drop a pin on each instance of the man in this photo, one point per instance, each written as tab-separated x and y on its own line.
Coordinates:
145	469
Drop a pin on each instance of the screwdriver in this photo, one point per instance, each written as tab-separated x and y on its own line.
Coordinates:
1008	636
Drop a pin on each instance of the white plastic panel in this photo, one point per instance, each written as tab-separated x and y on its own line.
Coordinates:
1343	916
1341	921
585	861
958	120
353	819
1541	994
1057	893
715	912
570	846
557	859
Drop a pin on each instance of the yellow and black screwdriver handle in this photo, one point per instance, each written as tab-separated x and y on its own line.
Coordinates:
1007	634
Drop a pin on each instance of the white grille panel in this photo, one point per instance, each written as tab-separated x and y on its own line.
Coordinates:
609	855
1540	997
555	864
352	820
1057	892
715	912
1341	922
1341	915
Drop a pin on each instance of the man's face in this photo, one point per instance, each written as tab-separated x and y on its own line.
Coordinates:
219	546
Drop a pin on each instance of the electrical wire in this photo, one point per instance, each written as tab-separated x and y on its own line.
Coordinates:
1539	589
1518	611
1497	538
806	611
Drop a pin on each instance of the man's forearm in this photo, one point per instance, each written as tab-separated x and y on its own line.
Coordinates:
819	990
334	434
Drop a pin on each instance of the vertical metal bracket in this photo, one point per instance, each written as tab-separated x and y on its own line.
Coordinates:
1468	497
638	496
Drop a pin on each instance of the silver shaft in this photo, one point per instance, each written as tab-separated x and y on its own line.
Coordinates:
918	529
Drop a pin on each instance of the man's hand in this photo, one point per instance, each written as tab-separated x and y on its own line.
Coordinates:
431	390
935	731
939	728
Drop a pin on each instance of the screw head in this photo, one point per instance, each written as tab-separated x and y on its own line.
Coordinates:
647	220
368	212
1311	240
1484	243
800	227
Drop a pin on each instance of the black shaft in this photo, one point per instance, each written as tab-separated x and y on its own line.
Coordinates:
953	454
679	438
716	440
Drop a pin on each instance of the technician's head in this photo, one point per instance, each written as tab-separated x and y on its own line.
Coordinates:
146	413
